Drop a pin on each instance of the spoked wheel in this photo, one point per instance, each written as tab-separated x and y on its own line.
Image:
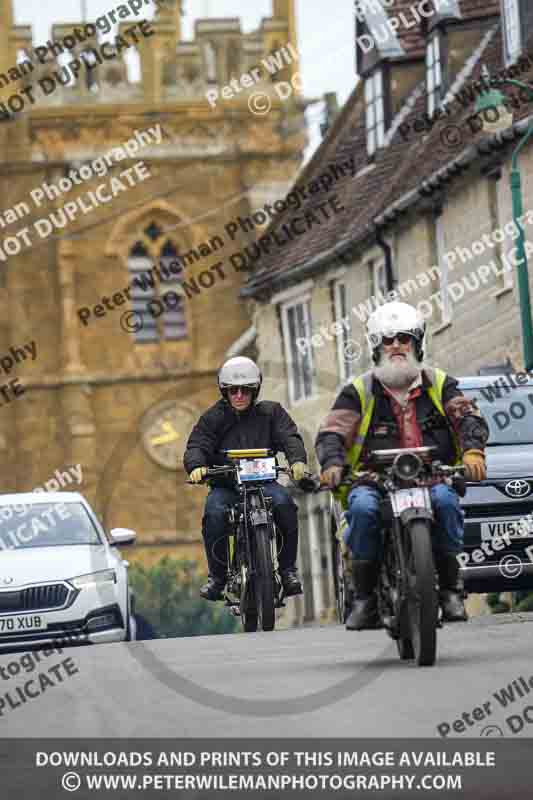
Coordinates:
339	580
249	615
264	577
422	603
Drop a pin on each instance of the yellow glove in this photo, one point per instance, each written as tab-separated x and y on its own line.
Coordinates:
332	476
197	474
298	470
474	461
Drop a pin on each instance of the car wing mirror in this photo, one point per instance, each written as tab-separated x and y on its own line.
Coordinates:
122	536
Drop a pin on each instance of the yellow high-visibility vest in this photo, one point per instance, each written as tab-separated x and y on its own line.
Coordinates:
363	387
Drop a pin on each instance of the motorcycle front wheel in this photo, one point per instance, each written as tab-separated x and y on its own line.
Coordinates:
422	599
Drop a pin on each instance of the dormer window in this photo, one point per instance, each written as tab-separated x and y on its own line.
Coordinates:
375	112
512	29
434	80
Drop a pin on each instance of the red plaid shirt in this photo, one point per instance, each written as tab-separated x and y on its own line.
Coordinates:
410	433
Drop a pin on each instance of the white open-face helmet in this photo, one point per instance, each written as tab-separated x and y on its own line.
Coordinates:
240	371
393	318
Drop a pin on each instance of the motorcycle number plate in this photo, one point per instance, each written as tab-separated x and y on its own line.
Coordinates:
408	498
257	469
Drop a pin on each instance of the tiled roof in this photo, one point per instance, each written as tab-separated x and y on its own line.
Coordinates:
398	168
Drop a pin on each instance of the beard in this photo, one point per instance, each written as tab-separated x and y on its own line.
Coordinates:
398	373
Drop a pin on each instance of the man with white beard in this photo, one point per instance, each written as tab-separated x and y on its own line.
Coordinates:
401	402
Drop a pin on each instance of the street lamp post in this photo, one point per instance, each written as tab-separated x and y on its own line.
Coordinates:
518	210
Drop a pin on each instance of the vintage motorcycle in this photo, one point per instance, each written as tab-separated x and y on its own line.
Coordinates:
253	586
408	584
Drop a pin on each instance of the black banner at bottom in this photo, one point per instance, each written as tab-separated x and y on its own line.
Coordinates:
266	768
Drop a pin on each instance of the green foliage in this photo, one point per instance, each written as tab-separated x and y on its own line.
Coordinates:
526	604
166	594
496	605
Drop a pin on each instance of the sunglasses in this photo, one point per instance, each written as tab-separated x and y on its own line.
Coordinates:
403	338
234	390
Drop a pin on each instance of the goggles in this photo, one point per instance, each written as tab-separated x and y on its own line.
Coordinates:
247	389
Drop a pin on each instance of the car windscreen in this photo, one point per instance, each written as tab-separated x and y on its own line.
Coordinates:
509	414
45	525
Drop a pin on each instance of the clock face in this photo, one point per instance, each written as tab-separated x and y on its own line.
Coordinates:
165	429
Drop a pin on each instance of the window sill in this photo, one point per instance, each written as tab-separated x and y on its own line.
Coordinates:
502	292
442	327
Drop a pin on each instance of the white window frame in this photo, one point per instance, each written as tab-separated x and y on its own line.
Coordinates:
433	73
447	313
379	279
305	302
512	30
342	307
375	112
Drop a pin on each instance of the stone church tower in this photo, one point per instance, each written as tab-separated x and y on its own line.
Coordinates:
102	391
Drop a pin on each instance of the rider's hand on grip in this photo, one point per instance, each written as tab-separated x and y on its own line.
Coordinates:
298	470
474	461
197	474
332	476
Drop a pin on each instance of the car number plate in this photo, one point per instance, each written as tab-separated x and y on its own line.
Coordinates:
20	624
408	498
503	526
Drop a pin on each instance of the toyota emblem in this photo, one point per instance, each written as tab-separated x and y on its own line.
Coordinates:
7	581
517	488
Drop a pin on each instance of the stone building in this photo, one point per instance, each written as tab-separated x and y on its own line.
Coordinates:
423	204
120	375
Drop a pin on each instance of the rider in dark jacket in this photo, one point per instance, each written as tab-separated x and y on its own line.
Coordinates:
238	422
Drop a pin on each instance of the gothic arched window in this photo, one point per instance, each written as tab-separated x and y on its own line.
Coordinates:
156	292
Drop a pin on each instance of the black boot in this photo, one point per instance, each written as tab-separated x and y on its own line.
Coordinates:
214	588
364	614
291	581
451	588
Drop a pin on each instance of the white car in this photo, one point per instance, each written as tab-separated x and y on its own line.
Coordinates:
61	580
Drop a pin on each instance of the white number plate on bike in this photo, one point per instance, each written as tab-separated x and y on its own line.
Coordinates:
257	469
408	498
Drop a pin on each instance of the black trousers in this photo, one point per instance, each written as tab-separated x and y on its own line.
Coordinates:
214	525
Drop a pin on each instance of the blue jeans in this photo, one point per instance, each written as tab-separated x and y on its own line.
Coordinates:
214	525
364	536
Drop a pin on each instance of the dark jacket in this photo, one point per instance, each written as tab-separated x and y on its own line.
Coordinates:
338	431
265	424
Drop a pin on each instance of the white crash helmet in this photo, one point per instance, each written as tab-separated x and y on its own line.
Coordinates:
392	318
240	371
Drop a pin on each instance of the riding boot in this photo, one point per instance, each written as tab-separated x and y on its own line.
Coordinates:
288	572
216	581
451	588
364	613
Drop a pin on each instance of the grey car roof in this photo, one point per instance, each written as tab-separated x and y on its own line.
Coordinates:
479	381
43	497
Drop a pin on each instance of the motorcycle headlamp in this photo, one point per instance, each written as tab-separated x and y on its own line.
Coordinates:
407	466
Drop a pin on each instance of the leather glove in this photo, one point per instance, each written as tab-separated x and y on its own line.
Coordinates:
298	470
474	461
197	474
332	476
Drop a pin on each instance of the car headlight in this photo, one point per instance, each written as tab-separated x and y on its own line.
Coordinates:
94	578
